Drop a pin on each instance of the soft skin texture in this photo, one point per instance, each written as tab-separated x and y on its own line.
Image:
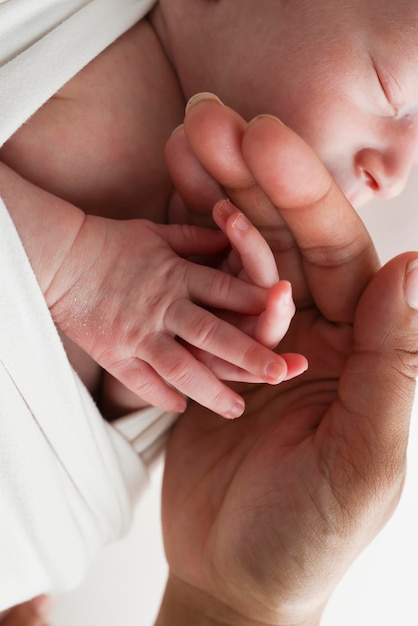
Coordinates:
341	430
316	466
124	274
98	144
162	295
341	74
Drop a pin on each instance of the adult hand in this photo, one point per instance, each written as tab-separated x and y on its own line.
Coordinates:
319	241
262	516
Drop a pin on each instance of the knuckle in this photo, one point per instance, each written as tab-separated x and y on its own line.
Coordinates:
143	386
216	400
280	238
206	330
406	363
177	372
221	286
251	355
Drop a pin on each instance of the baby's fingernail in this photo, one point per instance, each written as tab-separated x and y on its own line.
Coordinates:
411	284
177	129
204	95
225	209
236	410
275	372
241	222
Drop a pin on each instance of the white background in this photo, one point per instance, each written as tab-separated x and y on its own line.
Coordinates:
125	585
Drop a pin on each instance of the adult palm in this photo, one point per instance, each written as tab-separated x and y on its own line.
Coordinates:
263	515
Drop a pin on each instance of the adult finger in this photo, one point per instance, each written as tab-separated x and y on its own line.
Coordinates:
338	255
198	190
214	133
213	136
281	185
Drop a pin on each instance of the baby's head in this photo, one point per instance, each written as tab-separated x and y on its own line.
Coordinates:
341	73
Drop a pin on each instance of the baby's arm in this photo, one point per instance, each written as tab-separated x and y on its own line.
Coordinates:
120	291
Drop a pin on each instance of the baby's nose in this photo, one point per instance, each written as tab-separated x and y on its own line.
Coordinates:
386	171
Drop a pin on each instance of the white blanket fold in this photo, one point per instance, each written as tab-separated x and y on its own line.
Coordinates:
68	480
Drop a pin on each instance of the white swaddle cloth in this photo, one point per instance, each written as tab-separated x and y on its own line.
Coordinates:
68	480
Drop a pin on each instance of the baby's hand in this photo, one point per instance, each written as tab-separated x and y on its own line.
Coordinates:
126	292
252	260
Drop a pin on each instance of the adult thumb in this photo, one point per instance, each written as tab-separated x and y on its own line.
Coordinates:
372	416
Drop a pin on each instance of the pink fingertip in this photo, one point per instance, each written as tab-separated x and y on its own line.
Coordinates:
223	209
297	364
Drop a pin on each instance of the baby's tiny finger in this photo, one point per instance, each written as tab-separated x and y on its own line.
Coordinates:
207	332
222	369
142	379
256	256
274	322
296	364
181	370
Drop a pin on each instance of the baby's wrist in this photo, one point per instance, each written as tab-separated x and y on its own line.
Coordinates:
47	226
72	263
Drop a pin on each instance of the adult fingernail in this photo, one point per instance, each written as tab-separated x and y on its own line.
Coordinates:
199	97
411	284
265	116
177	129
